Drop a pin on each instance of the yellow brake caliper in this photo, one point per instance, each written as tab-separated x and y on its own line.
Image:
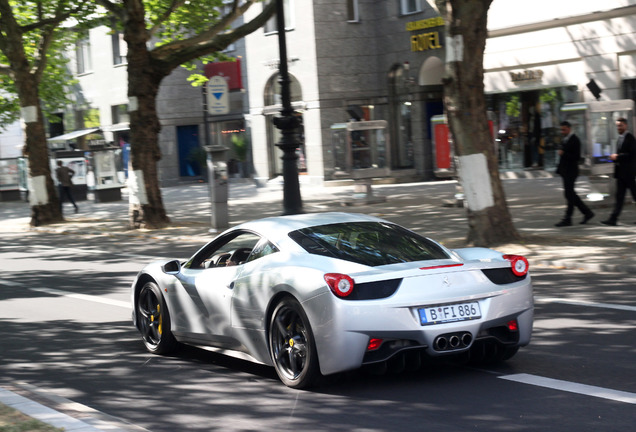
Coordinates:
160	319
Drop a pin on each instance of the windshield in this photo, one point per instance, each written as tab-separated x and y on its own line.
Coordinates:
368	243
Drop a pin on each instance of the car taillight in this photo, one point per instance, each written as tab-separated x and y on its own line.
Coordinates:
340	284
520	264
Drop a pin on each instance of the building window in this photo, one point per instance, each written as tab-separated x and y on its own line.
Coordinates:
402	152
83	53
270	25
272	100
353	14
120	48
629	89
410	6
120	114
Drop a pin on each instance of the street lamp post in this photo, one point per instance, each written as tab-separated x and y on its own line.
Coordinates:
288	124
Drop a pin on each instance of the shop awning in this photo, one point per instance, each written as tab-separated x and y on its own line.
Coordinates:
230	70
118	127
72	135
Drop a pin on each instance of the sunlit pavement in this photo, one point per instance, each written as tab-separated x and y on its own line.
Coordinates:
430	208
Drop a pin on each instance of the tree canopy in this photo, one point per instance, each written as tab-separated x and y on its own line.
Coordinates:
162	35
45	40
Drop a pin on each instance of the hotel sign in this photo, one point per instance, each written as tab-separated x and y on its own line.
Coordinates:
526	76
427	40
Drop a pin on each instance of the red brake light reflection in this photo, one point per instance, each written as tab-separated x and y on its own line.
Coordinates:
374	344
513	325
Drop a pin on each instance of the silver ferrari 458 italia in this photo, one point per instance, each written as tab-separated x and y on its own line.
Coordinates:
317	294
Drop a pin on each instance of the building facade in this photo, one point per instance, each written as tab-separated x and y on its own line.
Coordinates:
368	60
99	116
99	64
542	55
353	61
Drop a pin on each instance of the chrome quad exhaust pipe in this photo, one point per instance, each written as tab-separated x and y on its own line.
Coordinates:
452	341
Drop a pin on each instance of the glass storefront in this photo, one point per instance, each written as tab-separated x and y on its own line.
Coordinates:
400	102
232	135
528	129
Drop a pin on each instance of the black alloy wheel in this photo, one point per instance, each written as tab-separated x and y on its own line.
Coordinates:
153	320
292	346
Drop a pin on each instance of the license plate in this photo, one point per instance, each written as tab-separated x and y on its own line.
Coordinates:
449	313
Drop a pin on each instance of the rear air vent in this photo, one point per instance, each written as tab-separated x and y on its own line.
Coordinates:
502	276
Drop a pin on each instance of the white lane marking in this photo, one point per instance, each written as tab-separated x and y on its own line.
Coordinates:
585	303
86	297
583	389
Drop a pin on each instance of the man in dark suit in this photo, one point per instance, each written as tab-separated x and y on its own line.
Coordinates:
568	169
624	169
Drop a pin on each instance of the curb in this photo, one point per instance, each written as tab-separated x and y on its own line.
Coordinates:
90	420
43	413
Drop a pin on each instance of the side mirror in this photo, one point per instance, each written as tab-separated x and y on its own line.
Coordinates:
171	267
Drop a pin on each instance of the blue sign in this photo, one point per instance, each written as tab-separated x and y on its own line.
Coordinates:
218	96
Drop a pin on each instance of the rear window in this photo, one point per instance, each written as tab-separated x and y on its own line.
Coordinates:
368	243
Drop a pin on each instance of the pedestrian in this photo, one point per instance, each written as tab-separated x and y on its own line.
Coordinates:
624	169
64	175
568	169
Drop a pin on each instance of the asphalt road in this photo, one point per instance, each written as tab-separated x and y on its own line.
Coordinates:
66	332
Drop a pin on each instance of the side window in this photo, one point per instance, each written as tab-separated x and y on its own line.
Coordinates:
232	250
263	248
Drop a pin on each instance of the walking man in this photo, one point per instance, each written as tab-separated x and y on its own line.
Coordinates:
64	175
624	169
568	169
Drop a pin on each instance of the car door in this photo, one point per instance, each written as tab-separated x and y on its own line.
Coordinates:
207	286
209	295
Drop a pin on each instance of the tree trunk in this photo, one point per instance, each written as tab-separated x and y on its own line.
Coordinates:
489	220
144	77
45	204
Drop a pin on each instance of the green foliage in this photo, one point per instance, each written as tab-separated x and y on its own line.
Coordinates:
513	106
56	78
91	118
185	21
239	143
9	102
548	95
197	78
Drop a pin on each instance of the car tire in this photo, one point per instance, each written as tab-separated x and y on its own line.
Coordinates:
292	346
153	320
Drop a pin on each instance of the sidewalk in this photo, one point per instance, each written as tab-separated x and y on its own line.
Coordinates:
536	204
